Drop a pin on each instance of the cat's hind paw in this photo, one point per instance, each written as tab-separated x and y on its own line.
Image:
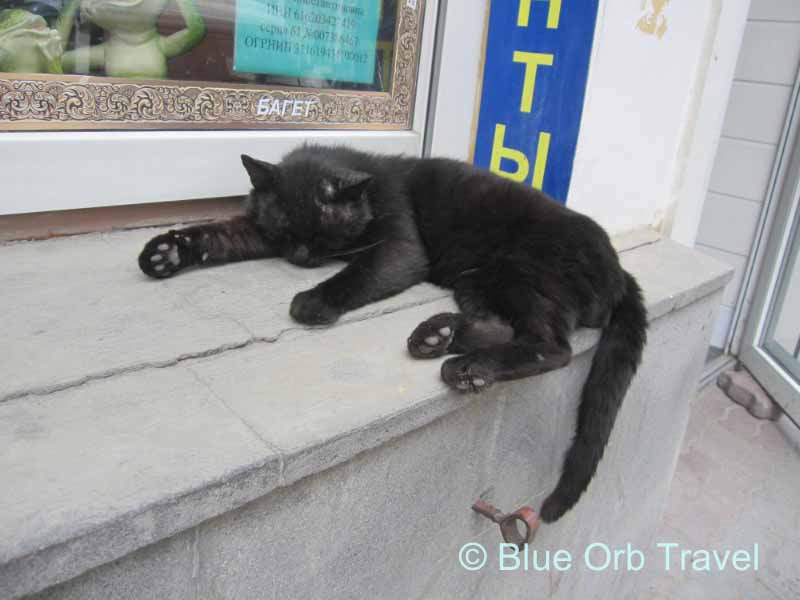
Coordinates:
466	374
165	255
432	338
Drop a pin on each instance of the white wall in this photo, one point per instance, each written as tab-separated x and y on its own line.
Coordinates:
637	110
712	88
646	137
754	122
638	152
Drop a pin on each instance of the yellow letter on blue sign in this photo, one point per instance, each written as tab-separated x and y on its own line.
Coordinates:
540	167
553	13
500	152
532	61
533	88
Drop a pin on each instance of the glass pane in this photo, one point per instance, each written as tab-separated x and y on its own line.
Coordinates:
340	44
783	330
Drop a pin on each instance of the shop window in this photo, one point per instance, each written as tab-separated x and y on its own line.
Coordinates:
208	64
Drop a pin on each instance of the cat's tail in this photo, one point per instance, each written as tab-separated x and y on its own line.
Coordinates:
615	361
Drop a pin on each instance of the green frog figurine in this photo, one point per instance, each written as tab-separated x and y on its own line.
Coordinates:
27	44
133	47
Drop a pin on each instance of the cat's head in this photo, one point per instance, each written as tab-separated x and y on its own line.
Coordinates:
312	209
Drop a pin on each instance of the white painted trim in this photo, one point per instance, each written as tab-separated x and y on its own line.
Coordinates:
54	171
459	79
764	307
42	171
700	146
721	326
426	60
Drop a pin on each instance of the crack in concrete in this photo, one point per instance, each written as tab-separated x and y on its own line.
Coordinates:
47	390
641	244
673	303
196	553
668	306
269	445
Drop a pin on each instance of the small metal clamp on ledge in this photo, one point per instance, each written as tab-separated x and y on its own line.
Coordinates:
518	527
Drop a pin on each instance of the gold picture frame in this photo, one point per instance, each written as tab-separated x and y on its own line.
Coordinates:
40	102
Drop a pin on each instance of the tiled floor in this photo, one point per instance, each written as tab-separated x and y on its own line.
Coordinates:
737	484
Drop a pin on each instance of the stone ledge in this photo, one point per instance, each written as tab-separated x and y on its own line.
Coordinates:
238	416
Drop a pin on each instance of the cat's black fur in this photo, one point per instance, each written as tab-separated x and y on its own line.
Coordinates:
525	271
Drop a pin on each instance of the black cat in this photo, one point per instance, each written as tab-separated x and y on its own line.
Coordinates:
526	271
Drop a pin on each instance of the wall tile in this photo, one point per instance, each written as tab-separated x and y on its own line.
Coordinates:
742	169
775	10
770	52
757	111
728	223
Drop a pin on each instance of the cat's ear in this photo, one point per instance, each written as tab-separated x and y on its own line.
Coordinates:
263	175
352	186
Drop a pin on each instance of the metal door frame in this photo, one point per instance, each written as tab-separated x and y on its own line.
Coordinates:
780	224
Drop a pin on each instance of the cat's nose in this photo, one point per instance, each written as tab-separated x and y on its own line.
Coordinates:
300	255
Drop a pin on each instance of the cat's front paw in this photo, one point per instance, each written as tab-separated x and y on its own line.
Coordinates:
432	338
165	255
467	374
309	308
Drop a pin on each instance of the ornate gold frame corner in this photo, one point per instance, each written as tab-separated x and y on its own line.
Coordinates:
76	102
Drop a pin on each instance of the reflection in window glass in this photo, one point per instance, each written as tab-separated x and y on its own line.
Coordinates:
342	44
783	333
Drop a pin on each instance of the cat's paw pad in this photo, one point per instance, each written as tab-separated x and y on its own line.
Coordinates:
432	338
466	374
309	308
165	255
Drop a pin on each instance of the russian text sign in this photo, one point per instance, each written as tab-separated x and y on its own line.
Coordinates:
534	82
317	39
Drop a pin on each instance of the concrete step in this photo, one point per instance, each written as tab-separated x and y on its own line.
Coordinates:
135	409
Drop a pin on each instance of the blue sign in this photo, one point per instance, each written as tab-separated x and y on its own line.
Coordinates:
317	39
534	82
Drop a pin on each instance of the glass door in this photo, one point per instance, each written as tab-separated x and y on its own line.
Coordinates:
782	337
771	346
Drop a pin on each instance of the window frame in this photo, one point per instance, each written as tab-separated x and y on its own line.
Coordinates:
67	169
